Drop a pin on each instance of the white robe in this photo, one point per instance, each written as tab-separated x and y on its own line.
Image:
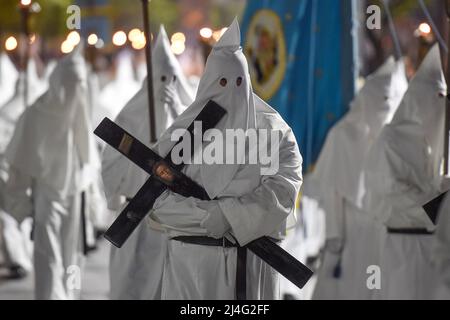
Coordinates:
52	154
403	173
17	246
254	206
351	235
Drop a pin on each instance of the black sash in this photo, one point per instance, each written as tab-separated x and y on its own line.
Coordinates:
410	231
241	267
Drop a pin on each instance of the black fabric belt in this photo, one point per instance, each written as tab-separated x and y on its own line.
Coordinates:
241	267
410	231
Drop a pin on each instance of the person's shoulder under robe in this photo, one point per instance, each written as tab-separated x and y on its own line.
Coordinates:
253	205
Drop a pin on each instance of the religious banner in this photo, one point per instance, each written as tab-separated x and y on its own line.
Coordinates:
302	62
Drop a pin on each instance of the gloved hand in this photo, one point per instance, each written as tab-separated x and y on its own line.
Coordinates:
215	222
333	256
170	95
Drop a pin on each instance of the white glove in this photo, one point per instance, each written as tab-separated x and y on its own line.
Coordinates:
215	222
170	96
333	256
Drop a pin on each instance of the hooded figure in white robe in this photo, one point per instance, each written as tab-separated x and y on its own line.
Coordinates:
351	236
403	172
53	159
15	240
136	268
249	203
441	252
118	92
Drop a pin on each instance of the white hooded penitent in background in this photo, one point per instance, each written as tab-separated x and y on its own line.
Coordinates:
403	172
17	246
351	236
249	204
136	268
53	153
118	92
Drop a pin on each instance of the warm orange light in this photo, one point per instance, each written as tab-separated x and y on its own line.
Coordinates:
178	36
119	38
139	41
11	43
73	38
92	39
216	35
206	33
178	47
134	34
66	47
425	28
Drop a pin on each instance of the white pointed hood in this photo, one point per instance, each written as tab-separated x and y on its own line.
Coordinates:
166	67
423	108
382	94
379	98
226	81
54	127
342	158
119	91
11	110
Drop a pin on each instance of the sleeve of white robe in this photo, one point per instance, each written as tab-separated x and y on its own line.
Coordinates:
333	205
261	212
252	215
17	194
